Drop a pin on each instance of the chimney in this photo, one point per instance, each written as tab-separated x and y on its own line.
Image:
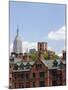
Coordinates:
26	57
63	55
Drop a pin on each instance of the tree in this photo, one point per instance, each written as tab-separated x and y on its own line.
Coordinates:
33	56
55	57
45	56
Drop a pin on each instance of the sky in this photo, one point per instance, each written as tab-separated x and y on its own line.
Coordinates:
38	22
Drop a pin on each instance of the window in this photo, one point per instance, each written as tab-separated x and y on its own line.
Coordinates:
41	83
20	53
10	79
10	66
33	84
28	66
20	85
15	85
54	83
12	59
33	75
38	66
60	79
14	75
15	67
22	75
60	84
55	63
16	55
27	75
40	46
27	84
54	73
42	74
22	66
61	65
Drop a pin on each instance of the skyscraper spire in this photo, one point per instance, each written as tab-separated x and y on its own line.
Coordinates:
17	30
17	46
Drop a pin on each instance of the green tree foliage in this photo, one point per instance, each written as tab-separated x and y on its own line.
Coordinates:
33	55
45	56
55	57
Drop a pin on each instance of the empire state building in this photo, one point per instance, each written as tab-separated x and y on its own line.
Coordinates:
17	45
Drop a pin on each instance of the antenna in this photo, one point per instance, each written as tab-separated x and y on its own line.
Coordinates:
17	30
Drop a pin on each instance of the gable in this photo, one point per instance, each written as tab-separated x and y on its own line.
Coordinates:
39	66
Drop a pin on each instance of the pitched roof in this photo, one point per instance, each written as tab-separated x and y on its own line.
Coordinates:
47	63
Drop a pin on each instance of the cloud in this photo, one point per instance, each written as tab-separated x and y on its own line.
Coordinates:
59	54
58	34
11	47
50	48
53	35
28	45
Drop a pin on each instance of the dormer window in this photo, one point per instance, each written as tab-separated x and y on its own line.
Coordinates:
38	66
61	65
28	65
33	75
12	59
21	66
15	67
55	63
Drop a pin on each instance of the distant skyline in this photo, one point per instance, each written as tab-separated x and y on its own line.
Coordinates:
38	22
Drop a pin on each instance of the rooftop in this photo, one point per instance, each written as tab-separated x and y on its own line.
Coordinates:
20	65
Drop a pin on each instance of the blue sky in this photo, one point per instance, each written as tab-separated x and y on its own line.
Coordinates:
36	21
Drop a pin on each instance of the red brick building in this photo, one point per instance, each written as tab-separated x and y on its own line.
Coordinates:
25	73
38	73
42	46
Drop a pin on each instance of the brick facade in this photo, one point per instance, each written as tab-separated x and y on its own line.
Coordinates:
24	73
38	76
42	46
